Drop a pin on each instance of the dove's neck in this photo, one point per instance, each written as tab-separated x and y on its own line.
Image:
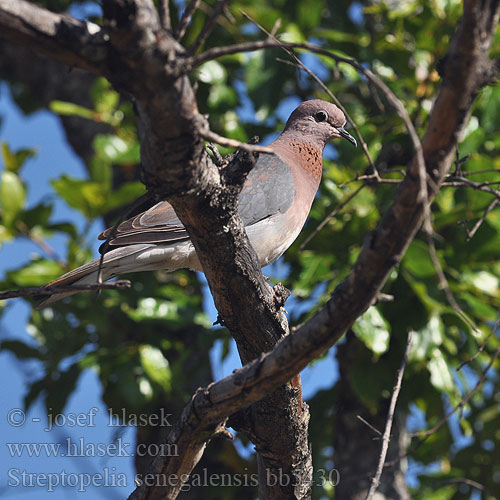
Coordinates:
302	157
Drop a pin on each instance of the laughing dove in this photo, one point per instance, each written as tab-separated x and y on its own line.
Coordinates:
273	205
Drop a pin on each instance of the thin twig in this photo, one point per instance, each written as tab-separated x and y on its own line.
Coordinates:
233	143
461	480
459	162
164	12
216	52
370	178
208	27
485	183
457	180
478	352
332	214
50	290
374	429
40	242
485	171
443	282
477	225
476	185
390	416
185	18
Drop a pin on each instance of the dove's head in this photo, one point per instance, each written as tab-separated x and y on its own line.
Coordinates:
318	122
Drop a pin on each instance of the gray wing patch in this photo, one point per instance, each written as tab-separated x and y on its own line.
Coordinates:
269	189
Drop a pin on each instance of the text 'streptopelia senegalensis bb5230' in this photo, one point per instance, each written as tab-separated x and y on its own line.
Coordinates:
273	204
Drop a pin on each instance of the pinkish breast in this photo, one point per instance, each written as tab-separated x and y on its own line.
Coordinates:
309	157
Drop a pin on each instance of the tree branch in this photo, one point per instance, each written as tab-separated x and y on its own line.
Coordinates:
185	18
209	25
80	44
49	290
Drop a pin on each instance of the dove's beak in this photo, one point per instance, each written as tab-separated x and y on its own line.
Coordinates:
346	135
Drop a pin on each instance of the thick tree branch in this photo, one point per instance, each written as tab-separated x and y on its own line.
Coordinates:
80	44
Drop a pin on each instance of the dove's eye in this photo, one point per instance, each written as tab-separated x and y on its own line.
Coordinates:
321	116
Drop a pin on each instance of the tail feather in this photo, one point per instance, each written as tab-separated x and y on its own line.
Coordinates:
114	263
86	280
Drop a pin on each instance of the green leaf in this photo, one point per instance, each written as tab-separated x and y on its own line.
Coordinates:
90	360
87	196
61	387
373	330
264	80
101	171
480	307
417	260
36	388
150	308
108	101
129	386
115	149
39	215
99	87
125	194
156	366
212	72
12	196
444	493
36	273
315	269
71	109
441	377
15	160
484	281
64	227
5	235
427	338
222	95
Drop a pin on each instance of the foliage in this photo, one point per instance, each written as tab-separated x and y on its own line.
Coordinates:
245	95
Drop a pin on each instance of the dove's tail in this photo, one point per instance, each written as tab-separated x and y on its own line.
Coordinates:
122	260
